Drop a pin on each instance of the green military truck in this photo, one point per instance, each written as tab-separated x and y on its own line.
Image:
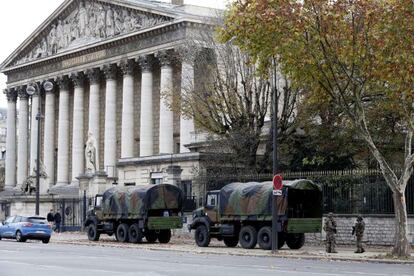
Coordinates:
134	212
242	212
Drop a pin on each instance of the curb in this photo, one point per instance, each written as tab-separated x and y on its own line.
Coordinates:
248	254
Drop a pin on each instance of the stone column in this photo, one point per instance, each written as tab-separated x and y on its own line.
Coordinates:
146	128
110	120
186	124
94	76
166	138
49	138
10	177
33	131
23	137
78	143
127	135
63	133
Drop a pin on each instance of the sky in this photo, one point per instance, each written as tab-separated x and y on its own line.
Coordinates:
19	18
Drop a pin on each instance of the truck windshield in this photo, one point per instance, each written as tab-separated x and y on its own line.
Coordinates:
212	200
98	201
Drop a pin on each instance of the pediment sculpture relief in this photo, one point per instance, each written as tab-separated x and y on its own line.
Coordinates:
91	22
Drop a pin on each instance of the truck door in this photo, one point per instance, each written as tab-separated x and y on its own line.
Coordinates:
212	206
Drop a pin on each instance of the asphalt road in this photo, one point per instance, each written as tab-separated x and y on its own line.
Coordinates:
36	259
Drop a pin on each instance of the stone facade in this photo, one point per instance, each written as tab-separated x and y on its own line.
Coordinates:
109	63
379	230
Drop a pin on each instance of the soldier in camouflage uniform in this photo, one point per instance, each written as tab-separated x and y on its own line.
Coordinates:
358	231
330	229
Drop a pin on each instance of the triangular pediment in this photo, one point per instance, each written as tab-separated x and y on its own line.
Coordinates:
77	24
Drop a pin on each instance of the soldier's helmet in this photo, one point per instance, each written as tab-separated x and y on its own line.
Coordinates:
359	218
330	215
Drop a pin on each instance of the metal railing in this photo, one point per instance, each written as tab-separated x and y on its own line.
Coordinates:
344	192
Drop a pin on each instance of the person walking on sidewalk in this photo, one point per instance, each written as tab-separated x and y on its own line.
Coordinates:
358	231
330	229
58	219
50	217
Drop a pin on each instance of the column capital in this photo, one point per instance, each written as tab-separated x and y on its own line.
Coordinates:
11	94
166	57
63	82
21	92
186	55
78	79
110	71
94	75
127	66
146	62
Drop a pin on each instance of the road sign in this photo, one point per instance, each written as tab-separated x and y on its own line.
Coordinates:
277	192
277	182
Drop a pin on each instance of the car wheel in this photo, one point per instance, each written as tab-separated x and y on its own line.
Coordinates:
231	242
122	232
264	238
46	240
135	234
248	237
295	241
93	234
151	236
164	236
0	237
19	237
201	236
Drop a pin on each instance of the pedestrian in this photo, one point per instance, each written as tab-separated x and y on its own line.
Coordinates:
50	217
330	229
358	231
58	219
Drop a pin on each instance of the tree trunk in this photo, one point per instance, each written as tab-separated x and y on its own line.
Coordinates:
401	244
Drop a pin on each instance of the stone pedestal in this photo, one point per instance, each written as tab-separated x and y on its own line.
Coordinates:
93	184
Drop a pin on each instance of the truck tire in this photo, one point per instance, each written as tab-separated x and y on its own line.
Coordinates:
92	231
248	237
150	236
231	241
122	232
264	238
295	241
135	234
164	236
201	236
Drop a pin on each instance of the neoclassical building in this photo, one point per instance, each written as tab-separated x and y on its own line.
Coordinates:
106	120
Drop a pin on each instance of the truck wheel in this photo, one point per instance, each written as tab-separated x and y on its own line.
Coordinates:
295	241
93	234
201	236
248	237
264	238
122	232
164	236
231	241
151	236
135	234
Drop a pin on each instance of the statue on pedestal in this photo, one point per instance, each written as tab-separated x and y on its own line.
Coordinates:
90	155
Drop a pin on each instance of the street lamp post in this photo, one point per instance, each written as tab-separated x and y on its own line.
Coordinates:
31	90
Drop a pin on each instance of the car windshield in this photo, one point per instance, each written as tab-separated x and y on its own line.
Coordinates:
38	220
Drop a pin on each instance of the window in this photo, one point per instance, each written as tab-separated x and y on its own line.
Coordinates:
9	220
212	199
157	178
17	219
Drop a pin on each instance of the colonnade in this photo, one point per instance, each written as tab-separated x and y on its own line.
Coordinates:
21	162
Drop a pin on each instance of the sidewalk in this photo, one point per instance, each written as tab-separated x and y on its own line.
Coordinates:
184	244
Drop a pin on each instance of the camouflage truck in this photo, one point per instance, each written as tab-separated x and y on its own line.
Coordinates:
134	212
242	212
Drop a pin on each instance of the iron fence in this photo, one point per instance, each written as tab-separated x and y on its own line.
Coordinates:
344	192
73	212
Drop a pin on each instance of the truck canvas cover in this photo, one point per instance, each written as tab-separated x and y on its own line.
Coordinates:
136	201
255	198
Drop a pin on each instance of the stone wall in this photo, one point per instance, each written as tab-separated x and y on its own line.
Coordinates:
379	230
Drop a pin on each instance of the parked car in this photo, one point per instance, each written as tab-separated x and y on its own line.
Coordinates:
24	228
